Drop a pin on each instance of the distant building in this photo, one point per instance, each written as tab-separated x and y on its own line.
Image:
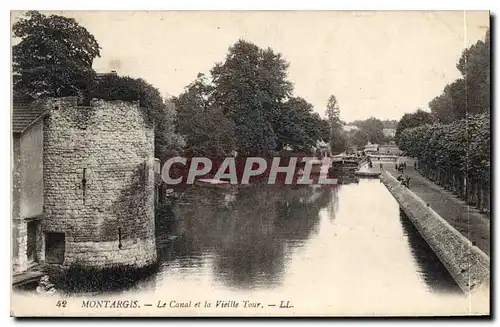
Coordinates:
371	148
350	128
323	147
389	132
113	72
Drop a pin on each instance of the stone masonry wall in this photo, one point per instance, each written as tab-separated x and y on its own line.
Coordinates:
468	265
99	182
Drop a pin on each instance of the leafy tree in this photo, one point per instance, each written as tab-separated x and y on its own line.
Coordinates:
211	134
250	97
113	87
390	123
205	128
323	127
337	137
474	64
462	146
249	87
451	104
333	112
297	126
373	127
359	138
442	107
415	119
53	58
471	93
167	140
195	99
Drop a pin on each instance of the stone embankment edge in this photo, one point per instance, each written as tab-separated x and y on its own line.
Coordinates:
467	264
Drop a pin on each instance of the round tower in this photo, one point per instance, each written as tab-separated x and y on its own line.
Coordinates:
98	185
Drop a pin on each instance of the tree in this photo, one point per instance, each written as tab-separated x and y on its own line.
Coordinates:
337	137
333	112
374	129
359	138
390	123
205	128
195	99
296	125
411	120
474	64
471	93
323	127
54	57
167	140
249	87
211	134
250	97
455	155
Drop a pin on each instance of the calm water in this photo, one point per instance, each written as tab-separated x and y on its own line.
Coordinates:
345	249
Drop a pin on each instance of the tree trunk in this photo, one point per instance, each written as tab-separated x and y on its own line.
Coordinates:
479	194
463	188
470	190
488	199
454	183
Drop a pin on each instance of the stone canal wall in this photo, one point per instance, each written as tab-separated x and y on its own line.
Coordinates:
468	265
98	185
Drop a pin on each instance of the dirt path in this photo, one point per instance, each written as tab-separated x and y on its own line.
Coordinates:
466	219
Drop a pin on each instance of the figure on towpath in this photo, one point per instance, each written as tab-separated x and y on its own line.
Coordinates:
401	167
404	180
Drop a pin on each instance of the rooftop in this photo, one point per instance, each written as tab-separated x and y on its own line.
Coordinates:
24	114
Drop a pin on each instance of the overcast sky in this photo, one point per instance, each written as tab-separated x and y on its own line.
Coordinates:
380	64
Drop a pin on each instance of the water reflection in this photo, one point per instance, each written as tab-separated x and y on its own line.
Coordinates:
246	233
431	269
283	238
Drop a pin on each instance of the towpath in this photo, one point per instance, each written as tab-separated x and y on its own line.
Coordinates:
466	219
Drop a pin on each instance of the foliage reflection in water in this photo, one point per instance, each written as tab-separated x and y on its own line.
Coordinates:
254	239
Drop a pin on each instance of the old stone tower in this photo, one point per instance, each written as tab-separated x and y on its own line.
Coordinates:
98	180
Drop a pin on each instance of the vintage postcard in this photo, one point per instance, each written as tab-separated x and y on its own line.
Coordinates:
250	163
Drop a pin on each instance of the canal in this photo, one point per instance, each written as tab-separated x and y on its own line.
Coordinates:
344	249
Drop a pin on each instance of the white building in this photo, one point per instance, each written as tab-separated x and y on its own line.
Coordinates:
389	132
371	148
350	128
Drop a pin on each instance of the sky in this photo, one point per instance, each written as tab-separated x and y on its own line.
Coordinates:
380	64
